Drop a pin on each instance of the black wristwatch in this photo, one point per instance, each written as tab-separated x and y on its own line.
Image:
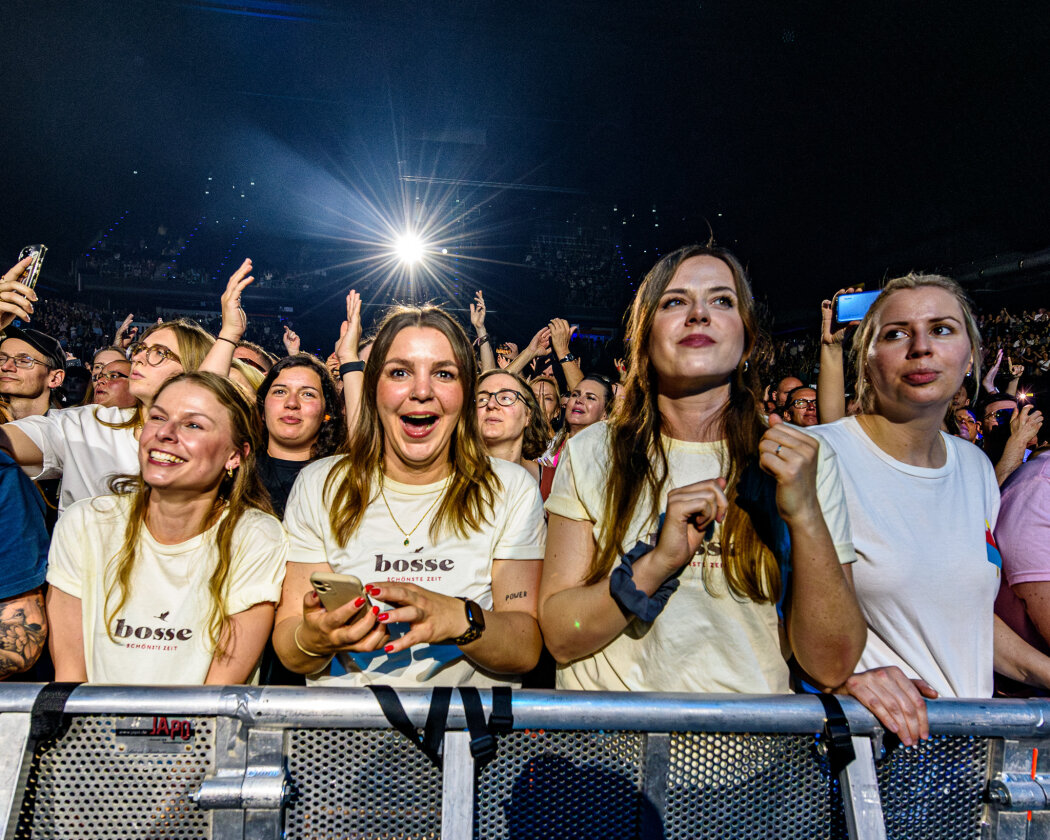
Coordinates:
476	620
568	357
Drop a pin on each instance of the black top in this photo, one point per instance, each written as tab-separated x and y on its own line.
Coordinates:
278	476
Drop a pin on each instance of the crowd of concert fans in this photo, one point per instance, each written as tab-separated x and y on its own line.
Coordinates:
187	505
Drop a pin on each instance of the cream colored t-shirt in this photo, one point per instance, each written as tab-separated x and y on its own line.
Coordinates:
706	640
452	565
161	634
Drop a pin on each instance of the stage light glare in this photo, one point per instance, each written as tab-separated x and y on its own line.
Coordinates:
409	248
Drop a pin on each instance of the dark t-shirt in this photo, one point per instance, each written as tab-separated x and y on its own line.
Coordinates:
278	475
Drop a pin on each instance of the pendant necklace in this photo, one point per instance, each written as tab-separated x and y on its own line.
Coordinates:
408	534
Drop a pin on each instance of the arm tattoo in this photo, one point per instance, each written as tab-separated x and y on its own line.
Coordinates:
23	630
513	595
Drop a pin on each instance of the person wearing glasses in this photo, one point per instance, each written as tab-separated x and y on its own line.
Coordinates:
87	445
513	425
112	385
31	365
800	408
447	539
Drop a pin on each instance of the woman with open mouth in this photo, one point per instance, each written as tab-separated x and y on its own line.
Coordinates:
589	402
174	578
447	540
655	577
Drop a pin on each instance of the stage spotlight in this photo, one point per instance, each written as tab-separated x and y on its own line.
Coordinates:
409	248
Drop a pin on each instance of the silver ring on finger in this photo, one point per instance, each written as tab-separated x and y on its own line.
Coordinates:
779	447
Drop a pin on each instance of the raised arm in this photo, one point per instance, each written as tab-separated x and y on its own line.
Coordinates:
346	352
825	626
477	320
831	380
234	322
539	346
561	333
1024	425
16	298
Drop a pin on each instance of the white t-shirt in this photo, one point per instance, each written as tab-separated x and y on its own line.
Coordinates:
706	639
924	577
81	451
451	566
161	634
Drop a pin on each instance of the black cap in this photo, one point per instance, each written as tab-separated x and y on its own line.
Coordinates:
44	344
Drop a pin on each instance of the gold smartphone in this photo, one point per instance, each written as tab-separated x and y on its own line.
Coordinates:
336	590
31	274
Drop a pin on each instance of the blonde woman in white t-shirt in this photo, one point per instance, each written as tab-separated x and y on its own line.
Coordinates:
628	604
448	540
173	579
922	505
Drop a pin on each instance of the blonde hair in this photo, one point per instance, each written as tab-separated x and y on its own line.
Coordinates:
473	485
864	340
236	495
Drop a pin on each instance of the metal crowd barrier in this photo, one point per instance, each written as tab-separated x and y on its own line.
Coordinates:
260	763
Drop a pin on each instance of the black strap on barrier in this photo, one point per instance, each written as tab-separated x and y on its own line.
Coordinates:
482	735
434	729
838	735
49	719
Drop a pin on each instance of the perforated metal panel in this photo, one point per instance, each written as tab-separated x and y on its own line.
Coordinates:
735	785
562	784
361	784
92	783
934	790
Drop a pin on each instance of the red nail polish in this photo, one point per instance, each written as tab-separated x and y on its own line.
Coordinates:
375	590
383	616
359	602
375	610
389	649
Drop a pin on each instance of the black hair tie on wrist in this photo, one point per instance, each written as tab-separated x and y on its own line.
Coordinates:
351	367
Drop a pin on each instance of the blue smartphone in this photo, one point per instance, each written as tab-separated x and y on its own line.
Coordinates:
854	306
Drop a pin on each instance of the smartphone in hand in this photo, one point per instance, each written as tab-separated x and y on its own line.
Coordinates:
31	274
336	590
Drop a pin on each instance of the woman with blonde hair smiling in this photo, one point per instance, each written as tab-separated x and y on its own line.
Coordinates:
655	577
174	578
448	540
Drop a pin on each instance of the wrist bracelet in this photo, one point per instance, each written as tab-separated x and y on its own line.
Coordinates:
228	340
351	367
482	339
632	599
295	638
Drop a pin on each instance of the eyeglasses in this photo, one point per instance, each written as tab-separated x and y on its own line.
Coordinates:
112	376
802	403
506	397
155	353
1003	415
24	361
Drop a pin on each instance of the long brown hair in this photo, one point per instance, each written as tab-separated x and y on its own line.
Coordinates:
354	481
193	342
636	451
236	495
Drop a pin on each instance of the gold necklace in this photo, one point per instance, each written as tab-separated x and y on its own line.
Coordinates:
408	534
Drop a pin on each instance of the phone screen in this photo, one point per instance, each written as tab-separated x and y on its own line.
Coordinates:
853	307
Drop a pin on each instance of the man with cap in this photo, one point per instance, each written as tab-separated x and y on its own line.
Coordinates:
31	364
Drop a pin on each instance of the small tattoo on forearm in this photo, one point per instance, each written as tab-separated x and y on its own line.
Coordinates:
514	595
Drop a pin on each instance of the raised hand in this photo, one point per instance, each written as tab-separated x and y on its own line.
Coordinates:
16	298
989	378
350	331
290	340
478	312
790	456
561	333
234	321
123	328
827	318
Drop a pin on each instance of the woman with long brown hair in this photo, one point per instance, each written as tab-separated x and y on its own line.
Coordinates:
448	540
174	578
655	578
